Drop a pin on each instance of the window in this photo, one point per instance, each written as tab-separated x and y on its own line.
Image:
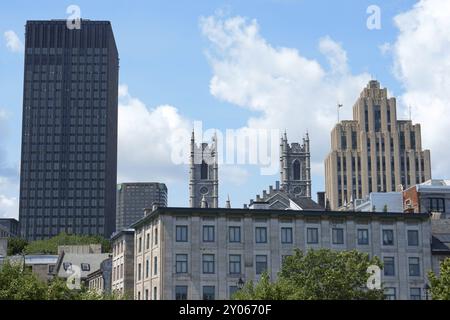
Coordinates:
235	264
261	235
413	238
437	205
388	237
389	294
204	171
233	290
155	265
155	293
209	292
148	241
67	265
139	295
286	235
146	294
147	268
389	266
312	235
181	263
234	234
51	268
261	264
181	292
415	294
338	235
140	244
208	263
296	169
363	236
208	233
85	267
139	271
156	236
414	267
181	233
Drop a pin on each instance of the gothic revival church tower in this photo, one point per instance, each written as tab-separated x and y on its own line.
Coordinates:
295	168
204	175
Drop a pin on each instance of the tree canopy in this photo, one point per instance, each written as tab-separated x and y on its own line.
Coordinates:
50	246
317	275
440	285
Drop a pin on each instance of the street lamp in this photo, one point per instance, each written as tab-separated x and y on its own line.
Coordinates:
427	289
240	284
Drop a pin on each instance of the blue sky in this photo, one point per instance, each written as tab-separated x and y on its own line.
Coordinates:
165	59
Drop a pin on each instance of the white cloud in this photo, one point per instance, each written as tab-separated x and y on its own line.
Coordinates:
422	63
286	89
146	138
13	42
9	205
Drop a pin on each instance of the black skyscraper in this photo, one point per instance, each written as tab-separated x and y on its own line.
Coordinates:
69	132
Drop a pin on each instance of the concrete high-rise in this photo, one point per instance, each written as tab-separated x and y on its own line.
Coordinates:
69	133
133	198
374	152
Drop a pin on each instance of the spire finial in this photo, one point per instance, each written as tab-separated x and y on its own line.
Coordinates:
228	204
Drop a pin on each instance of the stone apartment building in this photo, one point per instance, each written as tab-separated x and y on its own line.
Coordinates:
205	253
123	263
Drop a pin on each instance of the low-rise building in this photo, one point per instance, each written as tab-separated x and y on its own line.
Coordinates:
380	202
77	262
432	196
122	244
10	226
206	253
41	265
99	281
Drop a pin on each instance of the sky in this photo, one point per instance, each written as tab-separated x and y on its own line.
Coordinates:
243	65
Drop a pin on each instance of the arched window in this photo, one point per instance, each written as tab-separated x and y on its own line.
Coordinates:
204	171
296	167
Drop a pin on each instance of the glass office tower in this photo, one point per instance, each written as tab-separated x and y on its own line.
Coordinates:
69	130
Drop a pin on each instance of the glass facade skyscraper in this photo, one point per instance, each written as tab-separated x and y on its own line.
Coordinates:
69	130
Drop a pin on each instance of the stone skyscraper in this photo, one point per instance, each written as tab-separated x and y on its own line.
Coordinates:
295	168
204	175
69	133
374	152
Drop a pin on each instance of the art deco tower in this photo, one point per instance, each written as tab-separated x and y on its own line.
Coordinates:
374	152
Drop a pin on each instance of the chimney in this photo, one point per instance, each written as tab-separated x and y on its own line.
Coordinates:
258	198
277	185
270	189
264	194
245	206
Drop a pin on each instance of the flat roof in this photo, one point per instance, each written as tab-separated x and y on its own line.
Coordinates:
281	213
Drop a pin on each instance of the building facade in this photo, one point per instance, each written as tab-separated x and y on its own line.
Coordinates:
204	175
133	198
379	202
374	152
99	281
122	244
11	226
69	133
191	253
432	196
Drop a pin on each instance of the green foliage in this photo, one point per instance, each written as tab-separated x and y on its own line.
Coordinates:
16	246
440	285
18	283
385	208
50	246
319	275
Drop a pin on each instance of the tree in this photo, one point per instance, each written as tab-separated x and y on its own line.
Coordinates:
19	283
16	246
440	285
318	275
385	208
50	246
